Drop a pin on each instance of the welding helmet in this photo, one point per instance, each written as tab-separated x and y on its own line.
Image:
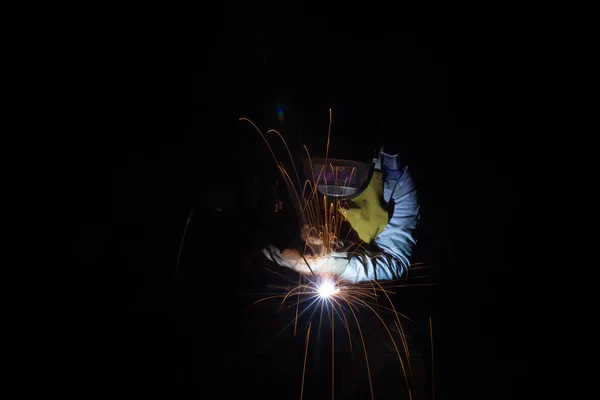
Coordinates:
340	179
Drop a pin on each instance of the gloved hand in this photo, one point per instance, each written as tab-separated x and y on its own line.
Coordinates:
334	263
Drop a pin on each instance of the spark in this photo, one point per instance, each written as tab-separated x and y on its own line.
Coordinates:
325	294
327	288
182	240
320	217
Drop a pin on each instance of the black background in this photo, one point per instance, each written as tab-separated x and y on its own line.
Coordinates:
449	105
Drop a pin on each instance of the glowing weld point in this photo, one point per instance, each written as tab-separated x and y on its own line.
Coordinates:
327	289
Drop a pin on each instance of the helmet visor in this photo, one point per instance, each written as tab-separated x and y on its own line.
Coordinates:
337	178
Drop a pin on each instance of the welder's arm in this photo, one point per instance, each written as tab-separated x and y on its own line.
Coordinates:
393	246
334	263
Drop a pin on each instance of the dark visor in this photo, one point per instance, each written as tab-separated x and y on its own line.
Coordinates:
341	179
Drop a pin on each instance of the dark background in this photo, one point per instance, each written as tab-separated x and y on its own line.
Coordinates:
449	105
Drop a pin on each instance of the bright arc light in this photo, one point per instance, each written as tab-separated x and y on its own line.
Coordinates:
326	289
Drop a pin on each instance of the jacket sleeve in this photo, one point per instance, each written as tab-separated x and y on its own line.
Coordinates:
392	248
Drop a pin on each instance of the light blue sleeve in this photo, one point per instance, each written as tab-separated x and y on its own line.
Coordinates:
393	246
